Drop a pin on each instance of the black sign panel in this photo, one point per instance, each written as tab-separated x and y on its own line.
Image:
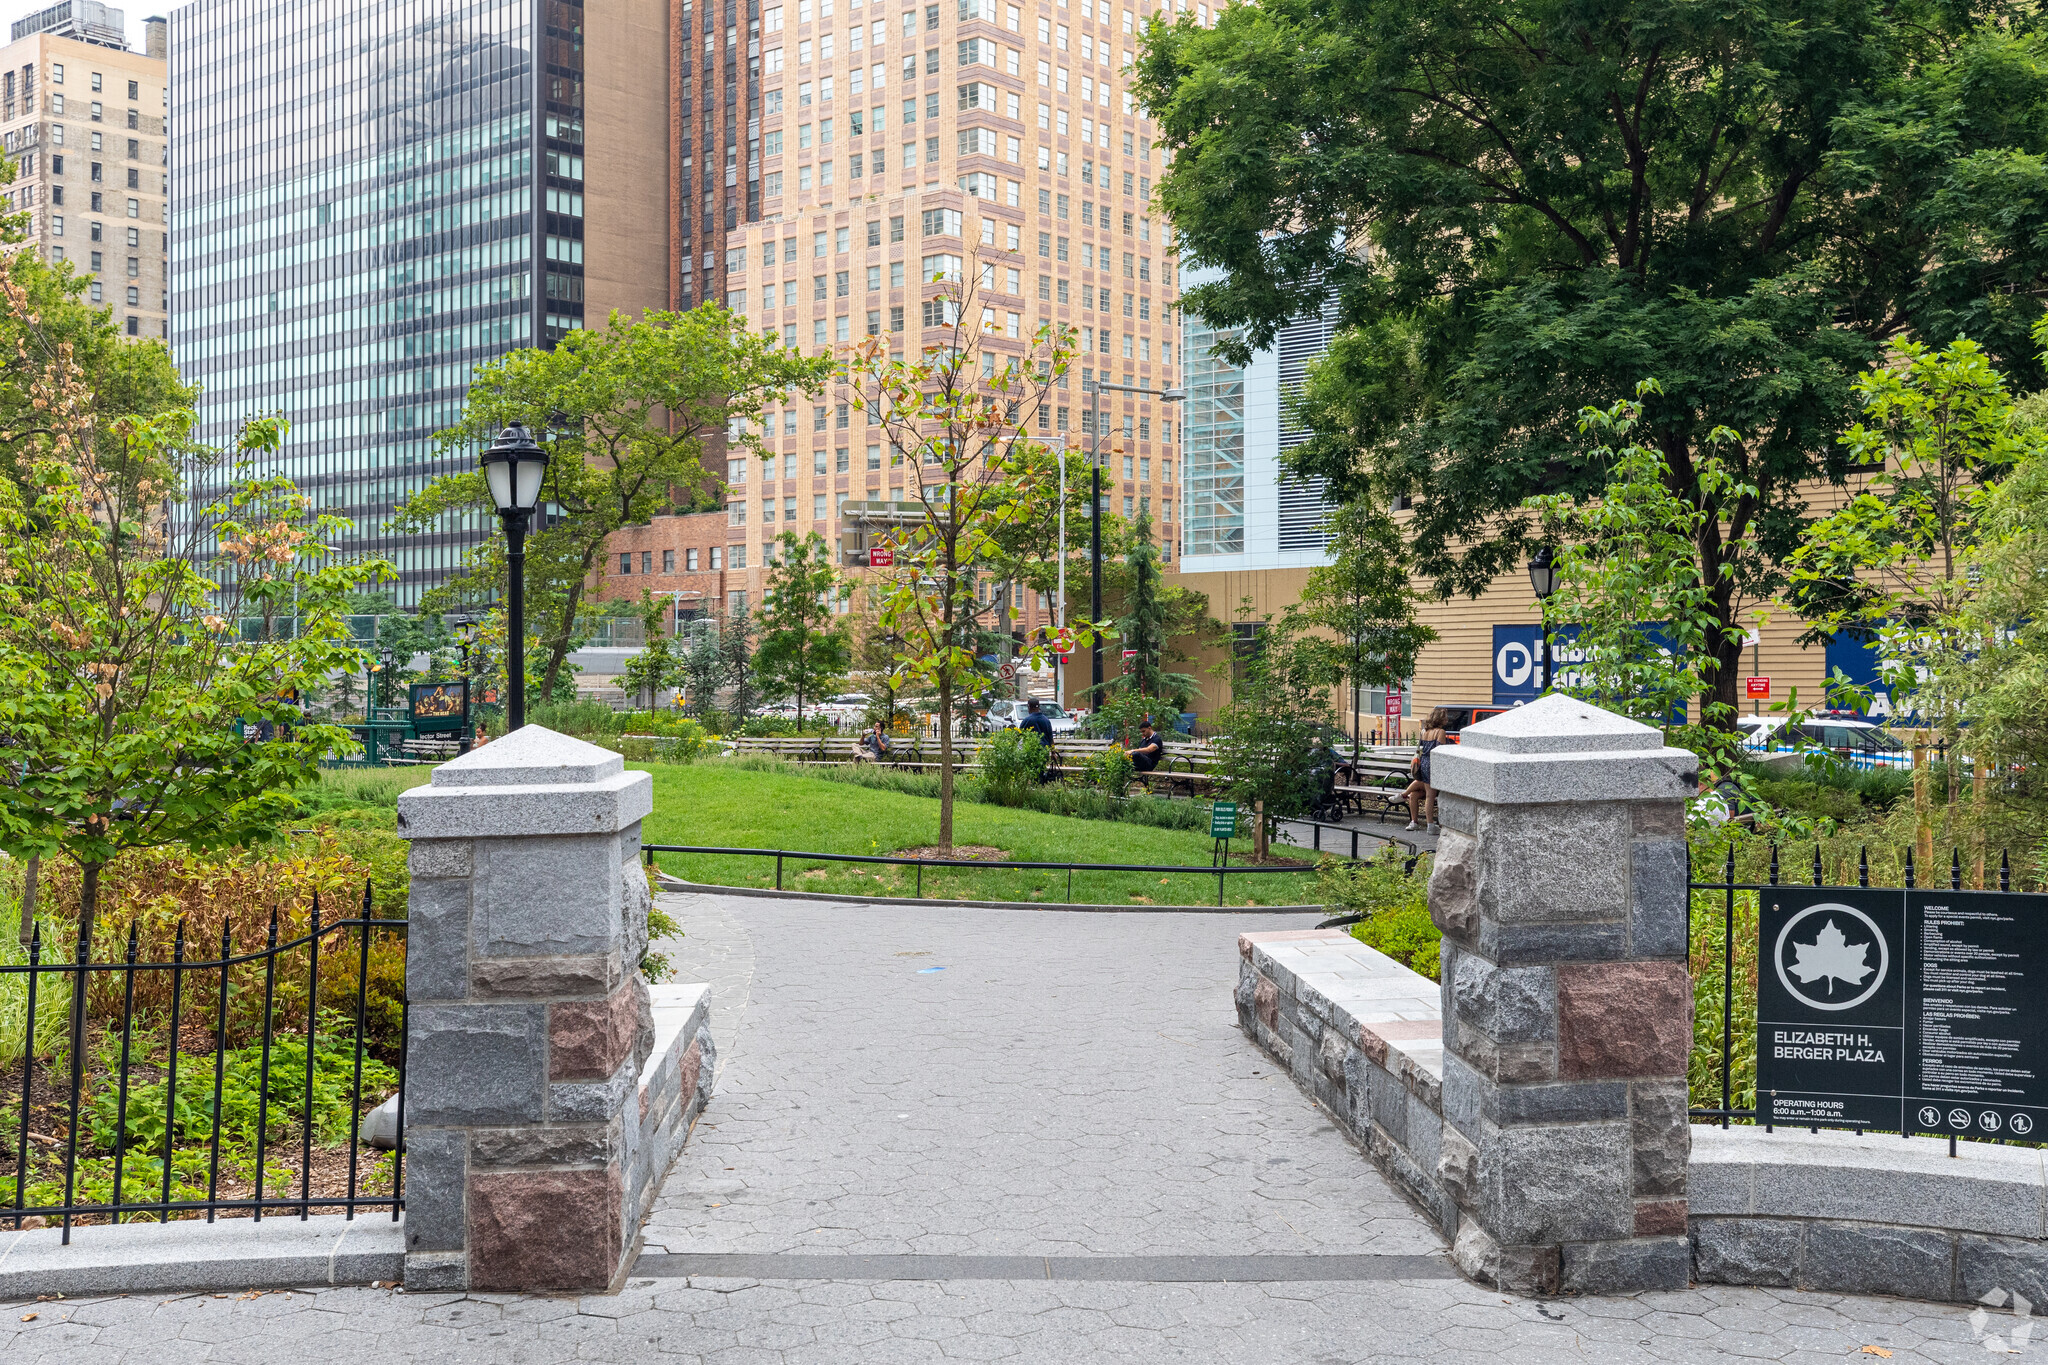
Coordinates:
1981	1036
438	706
1901	1010
1831	1018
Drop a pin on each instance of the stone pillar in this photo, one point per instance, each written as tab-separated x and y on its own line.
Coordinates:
1560	886
529	1020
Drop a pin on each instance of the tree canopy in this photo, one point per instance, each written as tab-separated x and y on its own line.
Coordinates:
628	413
1520	205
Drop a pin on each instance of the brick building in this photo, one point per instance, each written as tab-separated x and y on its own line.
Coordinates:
682	558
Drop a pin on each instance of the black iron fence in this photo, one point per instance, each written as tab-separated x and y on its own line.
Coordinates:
179	1085
1726	955
1219	870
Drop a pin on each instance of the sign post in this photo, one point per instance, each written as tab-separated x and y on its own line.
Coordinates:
1393	711
1222	828
1902	1010
1757	686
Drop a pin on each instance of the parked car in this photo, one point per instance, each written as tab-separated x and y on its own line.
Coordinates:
1769	733
1005	712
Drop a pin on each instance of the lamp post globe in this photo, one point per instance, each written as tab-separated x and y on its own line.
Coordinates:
1543	581
514	466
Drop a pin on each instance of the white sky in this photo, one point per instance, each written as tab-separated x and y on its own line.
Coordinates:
10	10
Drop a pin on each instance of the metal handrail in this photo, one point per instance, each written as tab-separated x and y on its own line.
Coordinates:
1219	871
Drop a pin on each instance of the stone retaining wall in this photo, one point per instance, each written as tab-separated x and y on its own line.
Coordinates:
1363	1035
1875	1214
1830	1212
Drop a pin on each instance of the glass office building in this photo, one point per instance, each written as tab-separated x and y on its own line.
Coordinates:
366	206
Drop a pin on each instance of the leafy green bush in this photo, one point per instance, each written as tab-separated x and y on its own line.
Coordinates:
1394	900
1012	761
1110	772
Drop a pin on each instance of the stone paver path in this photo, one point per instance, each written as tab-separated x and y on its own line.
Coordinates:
1067	1097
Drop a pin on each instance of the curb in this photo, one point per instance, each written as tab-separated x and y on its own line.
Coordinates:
281	1252
666	883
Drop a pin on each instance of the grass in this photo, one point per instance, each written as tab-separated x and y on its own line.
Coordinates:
729	806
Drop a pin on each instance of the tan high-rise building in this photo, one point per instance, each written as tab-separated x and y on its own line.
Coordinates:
900	142
83	119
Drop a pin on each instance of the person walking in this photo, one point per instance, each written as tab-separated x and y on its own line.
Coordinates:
1420	795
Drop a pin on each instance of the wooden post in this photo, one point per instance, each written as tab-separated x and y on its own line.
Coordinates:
1259	844
1980	788
1923	836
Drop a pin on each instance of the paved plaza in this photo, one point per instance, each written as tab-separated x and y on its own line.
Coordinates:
946	1134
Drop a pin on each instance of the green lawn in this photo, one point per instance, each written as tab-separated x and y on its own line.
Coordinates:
711	804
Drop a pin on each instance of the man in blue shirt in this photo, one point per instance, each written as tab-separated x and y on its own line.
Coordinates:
1036	723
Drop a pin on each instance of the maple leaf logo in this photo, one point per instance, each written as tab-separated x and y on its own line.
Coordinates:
1832	956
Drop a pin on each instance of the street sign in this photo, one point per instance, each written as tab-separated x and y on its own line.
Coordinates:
1393	703
1901	1009
1758	687
1223	820
881	557
1130	654
1007	672
1063	642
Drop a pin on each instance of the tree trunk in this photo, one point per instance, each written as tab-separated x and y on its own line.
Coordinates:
88	915
946	762
559	651
31	869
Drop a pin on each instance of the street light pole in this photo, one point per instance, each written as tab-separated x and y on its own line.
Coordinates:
1095	542
1543	582
513	467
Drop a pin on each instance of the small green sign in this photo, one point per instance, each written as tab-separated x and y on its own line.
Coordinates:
1223	820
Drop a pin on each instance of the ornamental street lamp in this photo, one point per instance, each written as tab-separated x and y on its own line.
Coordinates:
513	466
1095	390
465	636
1543	579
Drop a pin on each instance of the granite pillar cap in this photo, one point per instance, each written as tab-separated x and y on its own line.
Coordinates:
1558	748
533	781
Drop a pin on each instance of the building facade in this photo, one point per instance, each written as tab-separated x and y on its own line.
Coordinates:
83	119
904	149
1252	534
376	198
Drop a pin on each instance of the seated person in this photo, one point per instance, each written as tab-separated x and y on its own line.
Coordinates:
1149	749
874	745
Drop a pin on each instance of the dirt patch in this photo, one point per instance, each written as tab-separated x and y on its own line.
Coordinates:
978	853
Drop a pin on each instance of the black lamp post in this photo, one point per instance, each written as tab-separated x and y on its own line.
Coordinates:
385	659
513	466
465	636
1095	390
1543	579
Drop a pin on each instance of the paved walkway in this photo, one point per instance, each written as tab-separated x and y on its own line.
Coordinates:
978	1135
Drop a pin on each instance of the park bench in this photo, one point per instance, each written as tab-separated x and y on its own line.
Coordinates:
1379	776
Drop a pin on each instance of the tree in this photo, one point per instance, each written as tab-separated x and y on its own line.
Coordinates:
655	666
1996	680
1626	574
1279	706
1515	203
1355	623
804	651
627	413
958	420
1938	428
131	713
46	322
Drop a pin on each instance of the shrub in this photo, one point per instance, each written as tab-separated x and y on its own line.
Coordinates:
1395	902
1110	772
1012	762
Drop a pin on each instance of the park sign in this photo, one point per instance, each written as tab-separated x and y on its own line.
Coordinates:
1223	820
1902	1010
